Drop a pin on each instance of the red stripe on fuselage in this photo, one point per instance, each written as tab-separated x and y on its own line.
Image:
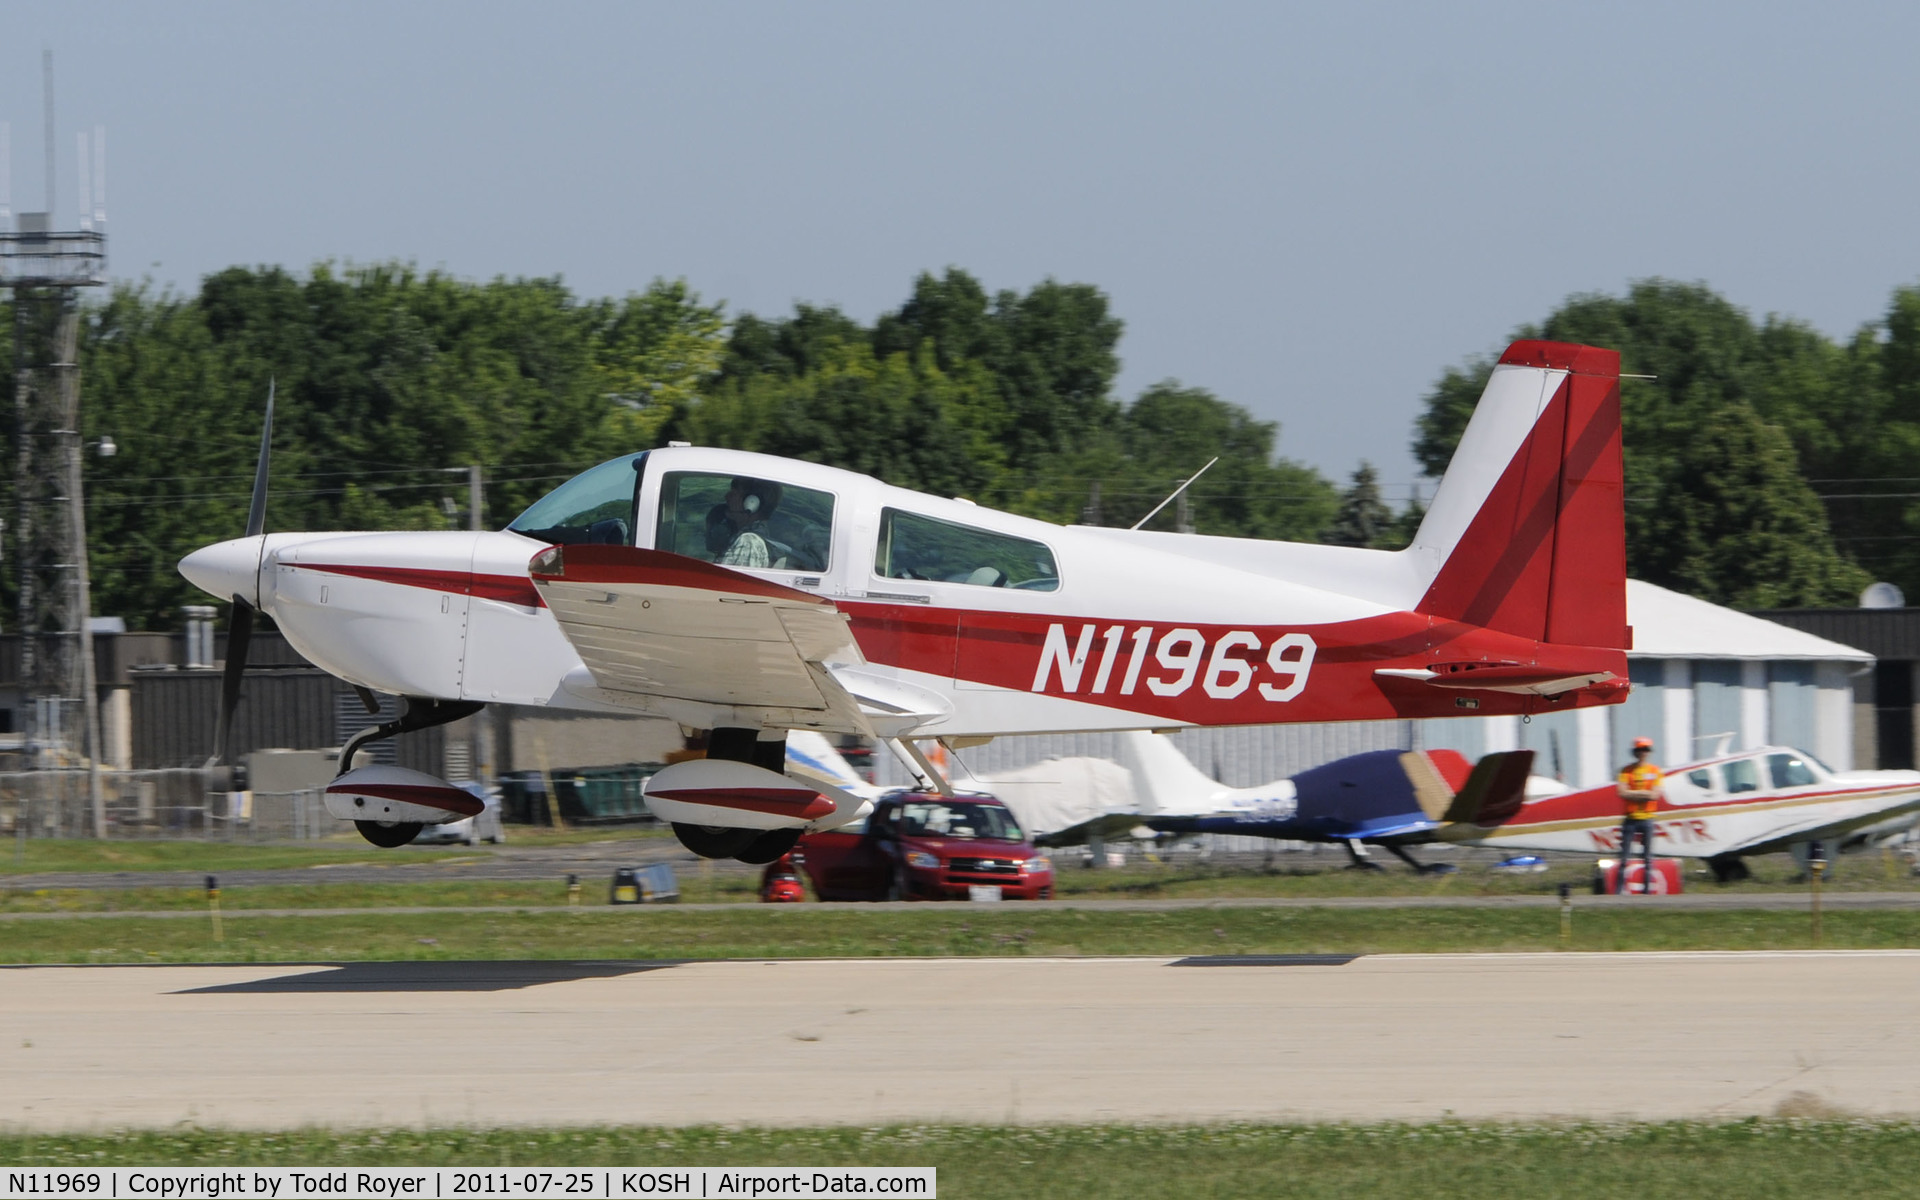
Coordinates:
1004	650
1604	803
997	649
508	589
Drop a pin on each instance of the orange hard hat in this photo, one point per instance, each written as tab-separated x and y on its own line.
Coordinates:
1642	743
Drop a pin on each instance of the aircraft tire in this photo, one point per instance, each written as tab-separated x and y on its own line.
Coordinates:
1728	868
714	842
389	834
769	846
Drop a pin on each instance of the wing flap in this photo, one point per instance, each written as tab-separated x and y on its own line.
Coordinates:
656	624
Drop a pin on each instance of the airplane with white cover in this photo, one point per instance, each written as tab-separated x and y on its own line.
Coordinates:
1387	798
749	596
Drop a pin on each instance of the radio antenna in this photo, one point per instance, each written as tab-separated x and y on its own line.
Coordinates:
1176	493
46	66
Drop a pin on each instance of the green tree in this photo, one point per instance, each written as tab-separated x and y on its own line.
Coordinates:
1716	375
1364	518
1746	531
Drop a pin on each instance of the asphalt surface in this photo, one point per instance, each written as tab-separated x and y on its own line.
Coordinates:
1533	1036
590	860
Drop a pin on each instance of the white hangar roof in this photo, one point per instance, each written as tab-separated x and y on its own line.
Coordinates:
1669	625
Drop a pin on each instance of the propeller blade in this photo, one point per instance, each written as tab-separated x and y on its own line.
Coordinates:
240	629
239	635
257	512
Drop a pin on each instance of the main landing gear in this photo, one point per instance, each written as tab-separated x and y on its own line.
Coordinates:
756	846
1728	868
1357	859
421	713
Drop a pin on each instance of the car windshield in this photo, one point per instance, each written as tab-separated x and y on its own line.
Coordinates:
959	819
594	506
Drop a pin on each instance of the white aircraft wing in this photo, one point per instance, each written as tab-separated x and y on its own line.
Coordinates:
652	624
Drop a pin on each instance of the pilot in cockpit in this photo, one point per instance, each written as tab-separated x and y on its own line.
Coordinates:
737	528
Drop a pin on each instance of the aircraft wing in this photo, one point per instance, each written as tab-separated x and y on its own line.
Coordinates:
1776	839
651	624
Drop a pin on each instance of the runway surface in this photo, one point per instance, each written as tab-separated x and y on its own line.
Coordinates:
1027	1040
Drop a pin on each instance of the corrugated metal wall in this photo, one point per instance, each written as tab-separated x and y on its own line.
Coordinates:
1240	757
175	714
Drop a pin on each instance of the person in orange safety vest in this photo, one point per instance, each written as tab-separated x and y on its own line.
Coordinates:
1640	792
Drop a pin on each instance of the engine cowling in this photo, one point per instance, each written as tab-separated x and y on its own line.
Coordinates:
720	793
396	794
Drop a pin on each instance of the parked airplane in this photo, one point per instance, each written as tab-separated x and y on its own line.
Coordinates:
749	595
1723	809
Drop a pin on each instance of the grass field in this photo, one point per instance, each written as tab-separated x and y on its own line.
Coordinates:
1295	875
1745	1159
757	931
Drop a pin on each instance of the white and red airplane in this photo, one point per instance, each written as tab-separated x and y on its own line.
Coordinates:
1721	809
747	596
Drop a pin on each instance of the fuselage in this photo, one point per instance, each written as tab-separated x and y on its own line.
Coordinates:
985	623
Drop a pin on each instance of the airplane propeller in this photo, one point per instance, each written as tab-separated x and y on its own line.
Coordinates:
240	631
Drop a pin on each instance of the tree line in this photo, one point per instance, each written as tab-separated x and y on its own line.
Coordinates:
1764	462
1768	465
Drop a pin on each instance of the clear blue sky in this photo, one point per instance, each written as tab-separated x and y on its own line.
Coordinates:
1311	210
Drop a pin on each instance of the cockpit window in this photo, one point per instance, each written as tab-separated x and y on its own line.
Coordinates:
916	547
742	521
1789	770
595	506
1741	776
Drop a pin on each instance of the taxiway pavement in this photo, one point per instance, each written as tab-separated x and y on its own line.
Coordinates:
1028	1040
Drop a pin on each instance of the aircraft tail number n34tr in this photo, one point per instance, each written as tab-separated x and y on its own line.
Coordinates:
748	596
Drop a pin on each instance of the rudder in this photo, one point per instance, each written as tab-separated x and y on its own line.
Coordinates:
1529	524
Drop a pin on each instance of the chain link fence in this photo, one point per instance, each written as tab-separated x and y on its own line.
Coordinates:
175	803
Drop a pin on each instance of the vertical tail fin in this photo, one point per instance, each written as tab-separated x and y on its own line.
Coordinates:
1495	791
1529	526
1163	779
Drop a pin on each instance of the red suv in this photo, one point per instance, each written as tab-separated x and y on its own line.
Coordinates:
925	846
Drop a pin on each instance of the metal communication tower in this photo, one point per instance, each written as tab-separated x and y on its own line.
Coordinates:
44	268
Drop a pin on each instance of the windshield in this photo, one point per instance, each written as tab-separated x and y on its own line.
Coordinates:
594	506
958	819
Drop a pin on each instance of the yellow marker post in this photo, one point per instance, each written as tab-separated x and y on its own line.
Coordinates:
1816	869
573	890
213	907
